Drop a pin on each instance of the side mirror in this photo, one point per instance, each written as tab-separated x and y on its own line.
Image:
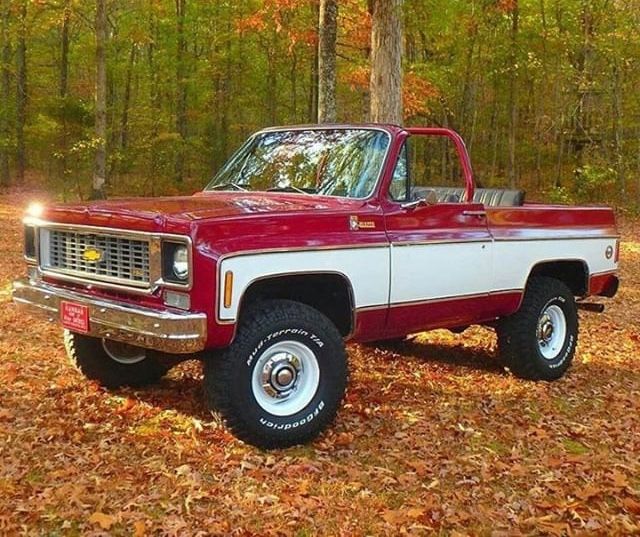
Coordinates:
429	197
411	205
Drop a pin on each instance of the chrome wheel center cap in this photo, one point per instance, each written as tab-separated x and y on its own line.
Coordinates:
280	375
284	377
545	329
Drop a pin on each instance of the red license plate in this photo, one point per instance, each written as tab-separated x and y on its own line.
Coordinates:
75	317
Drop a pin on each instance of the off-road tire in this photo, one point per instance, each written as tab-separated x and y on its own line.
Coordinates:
518	343
228	375
88	355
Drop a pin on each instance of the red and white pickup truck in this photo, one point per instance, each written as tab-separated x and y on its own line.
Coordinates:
309	237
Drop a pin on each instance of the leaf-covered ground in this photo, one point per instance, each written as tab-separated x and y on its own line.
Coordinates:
434	438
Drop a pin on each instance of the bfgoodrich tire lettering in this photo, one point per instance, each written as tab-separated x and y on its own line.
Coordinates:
539	341
278	334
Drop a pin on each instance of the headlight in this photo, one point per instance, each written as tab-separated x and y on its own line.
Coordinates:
181	263
176	264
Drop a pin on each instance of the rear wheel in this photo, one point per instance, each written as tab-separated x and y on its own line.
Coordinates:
539	341
111	363
282	380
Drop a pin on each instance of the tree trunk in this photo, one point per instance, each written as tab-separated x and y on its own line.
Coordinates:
100	165
155	105
63	90
21	101
293	77
181	96
314	81
272	79
466	104
5	90
513	94
328	30
386	61
541	99
618	134
227	89
124	119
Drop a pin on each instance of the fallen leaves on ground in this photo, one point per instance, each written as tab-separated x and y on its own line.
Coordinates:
434	437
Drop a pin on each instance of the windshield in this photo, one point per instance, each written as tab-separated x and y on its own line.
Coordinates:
331	162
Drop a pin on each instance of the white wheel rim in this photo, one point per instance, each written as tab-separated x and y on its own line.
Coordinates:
123	353
285	378
552	332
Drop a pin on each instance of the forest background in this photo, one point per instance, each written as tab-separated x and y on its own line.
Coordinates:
544	91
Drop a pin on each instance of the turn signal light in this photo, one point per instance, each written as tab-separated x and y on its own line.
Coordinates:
228	289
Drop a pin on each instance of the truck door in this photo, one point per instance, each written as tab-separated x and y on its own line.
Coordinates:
441	248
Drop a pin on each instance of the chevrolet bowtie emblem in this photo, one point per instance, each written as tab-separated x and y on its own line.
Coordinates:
92	255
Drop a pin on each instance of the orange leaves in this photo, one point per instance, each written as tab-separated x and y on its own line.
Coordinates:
255	22
354	24
399	517
283	17
631	505
358	78
506	6
589	492
102	520
417	92
618	479
139	528
435	439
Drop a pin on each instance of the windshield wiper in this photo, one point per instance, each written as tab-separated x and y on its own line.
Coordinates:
237	186
290	188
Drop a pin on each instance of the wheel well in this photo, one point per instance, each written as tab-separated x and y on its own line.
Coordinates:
574	274
331	294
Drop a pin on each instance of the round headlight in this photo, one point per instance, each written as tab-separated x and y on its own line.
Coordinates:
181	263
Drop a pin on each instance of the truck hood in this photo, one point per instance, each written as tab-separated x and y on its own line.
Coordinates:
158	212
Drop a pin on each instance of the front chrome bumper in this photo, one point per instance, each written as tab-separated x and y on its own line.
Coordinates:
166	331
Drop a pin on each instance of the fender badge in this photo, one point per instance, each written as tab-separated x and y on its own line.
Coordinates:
355	224
609	252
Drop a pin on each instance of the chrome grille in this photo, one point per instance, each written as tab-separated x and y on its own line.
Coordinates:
123	260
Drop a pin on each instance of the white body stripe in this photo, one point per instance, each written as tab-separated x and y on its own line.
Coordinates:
432	271
367	269
413	273
513	260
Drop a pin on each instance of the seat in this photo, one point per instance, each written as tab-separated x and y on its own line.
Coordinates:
499	197
490	197
443	194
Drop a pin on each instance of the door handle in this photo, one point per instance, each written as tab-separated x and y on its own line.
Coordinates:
477	214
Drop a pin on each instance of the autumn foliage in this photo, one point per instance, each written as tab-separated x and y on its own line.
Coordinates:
434	438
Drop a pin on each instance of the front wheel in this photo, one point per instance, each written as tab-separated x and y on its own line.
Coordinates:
282	380
539	341
111	363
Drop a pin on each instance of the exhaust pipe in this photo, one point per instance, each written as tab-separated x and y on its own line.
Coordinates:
591	307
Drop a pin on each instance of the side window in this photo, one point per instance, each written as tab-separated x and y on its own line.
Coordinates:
400	183
435	169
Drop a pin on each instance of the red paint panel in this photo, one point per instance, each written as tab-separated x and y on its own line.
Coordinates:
603	285
550	222
452	313
369	325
